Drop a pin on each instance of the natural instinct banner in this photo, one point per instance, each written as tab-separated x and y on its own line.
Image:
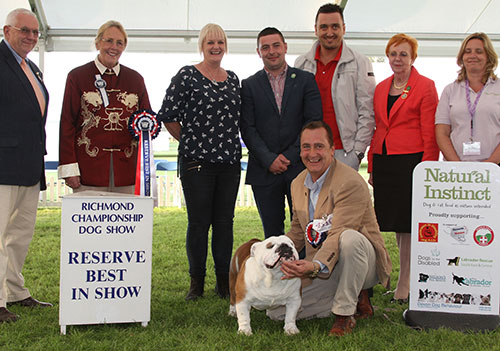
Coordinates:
454	253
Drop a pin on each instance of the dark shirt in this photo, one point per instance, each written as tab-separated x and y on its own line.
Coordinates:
209	114
391	99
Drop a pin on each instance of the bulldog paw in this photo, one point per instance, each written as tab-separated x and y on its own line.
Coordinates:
291	329
245	331
232	311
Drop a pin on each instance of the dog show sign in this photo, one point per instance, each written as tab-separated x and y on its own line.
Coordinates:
106	251
455	241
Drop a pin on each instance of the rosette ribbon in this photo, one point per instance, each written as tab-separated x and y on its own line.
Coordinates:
144	126
313	237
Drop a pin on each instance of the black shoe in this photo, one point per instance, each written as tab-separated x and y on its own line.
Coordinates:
30	302
222	285
399	301
196	288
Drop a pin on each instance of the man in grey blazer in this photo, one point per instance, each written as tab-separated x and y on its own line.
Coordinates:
23	109
276	102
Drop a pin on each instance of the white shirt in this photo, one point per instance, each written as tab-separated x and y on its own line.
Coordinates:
452	110
103	68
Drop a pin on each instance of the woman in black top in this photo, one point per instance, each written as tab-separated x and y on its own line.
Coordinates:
201	109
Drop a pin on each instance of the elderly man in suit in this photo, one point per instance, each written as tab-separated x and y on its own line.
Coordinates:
23	109
334	219
277	102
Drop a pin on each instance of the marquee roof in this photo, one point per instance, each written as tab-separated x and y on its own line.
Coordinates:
173	25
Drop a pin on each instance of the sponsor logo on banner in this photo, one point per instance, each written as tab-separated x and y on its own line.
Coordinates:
428	261
476	262
483	235
435	252
456	232
428	232
471	281
453	261
455	300
424	278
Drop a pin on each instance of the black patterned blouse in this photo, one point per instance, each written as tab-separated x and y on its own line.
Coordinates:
209	114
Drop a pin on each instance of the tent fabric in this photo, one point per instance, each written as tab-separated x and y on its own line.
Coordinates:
173	25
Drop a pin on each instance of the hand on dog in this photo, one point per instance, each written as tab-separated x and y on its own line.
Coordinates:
296	269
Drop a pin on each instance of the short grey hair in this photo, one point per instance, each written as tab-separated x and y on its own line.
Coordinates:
11	17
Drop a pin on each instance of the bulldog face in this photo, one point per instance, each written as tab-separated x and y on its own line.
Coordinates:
272	251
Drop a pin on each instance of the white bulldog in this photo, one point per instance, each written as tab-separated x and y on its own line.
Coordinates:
255	281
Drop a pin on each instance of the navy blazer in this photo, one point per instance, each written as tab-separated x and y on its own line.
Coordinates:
22	125
267	132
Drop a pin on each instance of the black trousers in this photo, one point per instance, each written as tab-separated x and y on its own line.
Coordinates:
210	191
270	201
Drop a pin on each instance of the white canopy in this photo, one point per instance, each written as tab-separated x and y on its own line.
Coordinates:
173	25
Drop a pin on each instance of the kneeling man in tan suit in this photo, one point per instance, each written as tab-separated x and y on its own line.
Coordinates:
334	219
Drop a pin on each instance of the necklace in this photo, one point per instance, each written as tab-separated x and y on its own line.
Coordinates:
399	87
211	76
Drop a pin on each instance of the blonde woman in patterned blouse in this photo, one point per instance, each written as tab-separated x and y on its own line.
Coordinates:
201	109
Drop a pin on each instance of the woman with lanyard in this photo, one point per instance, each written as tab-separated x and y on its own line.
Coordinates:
468	113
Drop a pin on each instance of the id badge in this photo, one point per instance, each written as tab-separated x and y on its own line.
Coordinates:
472	148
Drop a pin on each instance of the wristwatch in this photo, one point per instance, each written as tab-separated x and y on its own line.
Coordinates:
315	271
360	155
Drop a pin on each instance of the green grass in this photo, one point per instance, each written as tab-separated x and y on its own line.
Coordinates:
204	324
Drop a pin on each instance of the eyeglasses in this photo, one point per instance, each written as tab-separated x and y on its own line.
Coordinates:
110	42
26	31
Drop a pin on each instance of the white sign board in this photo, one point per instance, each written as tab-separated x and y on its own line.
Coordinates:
455	238
106	251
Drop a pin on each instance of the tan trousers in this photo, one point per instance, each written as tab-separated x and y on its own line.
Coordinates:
404	244
18	207
354	271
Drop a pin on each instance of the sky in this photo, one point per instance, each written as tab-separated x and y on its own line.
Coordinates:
158	69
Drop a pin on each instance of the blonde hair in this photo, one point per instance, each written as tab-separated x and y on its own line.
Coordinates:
211	29
491	57
107	25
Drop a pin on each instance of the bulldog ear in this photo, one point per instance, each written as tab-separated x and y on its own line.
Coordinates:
253	248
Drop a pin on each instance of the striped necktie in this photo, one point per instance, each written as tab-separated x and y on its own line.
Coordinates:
34	83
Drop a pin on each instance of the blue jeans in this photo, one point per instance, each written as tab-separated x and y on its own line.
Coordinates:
210	191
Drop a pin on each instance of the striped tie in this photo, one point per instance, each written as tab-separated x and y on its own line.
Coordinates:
34	84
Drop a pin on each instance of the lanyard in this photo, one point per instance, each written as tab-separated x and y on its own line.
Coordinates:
470	107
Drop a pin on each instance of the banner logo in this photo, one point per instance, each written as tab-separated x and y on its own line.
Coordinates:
428	232
483	235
